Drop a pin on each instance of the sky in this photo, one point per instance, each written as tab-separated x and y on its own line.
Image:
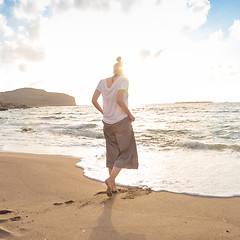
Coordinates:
173	50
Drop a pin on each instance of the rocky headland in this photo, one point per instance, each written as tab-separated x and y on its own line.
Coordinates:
31	97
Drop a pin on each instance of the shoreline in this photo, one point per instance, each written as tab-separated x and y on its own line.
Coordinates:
122	185
50	198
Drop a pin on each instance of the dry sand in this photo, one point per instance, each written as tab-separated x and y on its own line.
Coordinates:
47	197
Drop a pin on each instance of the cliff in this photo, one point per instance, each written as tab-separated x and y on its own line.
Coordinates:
31	97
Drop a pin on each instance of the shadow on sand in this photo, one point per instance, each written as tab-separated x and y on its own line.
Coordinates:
105	229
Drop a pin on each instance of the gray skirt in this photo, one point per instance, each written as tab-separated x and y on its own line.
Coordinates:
121	149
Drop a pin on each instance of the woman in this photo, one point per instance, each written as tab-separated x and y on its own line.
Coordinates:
121	150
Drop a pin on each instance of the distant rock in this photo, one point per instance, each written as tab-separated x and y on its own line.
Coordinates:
194	102
31	97
27	129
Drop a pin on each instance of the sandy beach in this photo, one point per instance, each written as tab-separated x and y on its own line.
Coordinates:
46	197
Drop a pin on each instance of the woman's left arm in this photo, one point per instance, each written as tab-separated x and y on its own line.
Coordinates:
95	101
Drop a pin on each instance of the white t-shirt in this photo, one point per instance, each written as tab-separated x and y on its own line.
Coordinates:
112	112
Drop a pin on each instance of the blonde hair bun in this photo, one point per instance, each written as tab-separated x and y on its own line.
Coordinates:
119	59
117	68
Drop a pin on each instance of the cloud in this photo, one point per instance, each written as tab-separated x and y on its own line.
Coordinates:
24	46
196	13
222	53
1	2
99	5
216	36
28	9
159	52
197	6
5	30
158	1
61	5
127	4
94	4
34	28
234	30
145	53
153	27
12	52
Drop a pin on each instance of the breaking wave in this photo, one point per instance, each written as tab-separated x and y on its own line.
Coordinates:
206	146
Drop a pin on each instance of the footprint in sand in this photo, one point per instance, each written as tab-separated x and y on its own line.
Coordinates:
67	202
4	233
5	211
57	204
3	220
17	218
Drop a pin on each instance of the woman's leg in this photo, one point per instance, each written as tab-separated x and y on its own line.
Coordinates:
114	188
111	180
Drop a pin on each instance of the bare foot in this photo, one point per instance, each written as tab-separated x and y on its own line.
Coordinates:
115	190
110	187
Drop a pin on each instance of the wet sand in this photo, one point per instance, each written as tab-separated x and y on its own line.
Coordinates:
47	197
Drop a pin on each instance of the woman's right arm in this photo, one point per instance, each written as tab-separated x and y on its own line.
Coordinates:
123	105
95	101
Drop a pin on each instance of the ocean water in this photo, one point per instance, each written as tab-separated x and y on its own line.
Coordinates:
183	148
